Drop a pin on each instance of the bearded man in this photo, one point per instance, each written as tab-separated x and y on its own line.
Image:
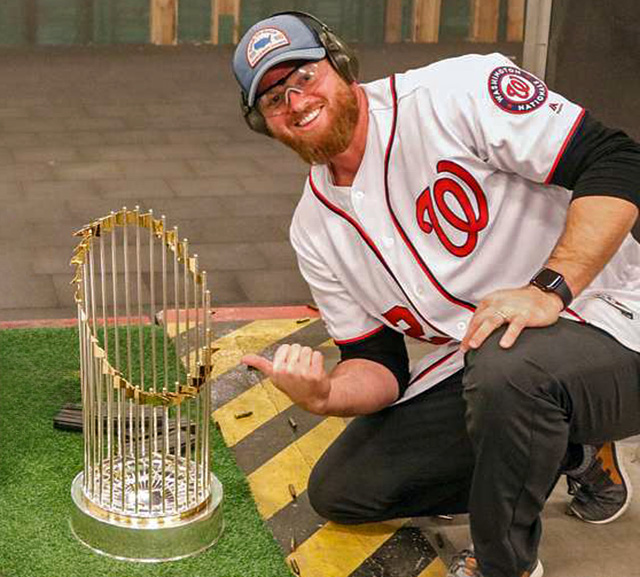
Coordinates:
466	205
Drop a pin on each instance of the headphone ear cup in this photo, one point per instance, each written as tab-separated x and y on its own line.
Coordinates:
253	117
341	56
257	122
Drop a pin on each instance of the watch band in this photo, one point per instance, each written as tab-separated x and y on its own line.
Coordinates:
549	280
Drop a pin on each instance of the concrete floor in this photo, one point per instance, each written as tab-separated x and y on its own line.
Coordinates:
572	548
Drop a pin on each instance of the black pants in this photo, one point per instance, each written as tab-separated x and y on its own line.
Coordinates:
490	440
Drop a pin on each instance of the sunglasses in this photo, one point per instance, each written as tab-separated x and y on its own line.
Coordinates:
275	100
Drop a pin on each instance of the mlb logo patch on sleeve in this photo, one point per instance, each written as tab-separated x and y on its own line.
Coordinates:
263	42
515	90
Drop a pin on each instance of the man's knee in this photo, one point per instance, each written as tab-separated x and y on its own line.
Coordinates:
328	494
319	497
490	371
497	380
346	487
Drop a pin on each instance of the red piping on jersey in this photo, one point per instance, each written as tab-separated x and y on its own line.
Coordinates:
575	314
434	281
564	146
370	244
432	367
361	337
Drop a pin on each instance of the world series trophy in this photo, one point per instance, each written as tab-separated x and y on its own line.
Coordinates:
146	492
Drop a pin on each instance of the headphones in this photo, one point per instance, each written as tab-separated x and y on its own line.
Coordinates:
342	58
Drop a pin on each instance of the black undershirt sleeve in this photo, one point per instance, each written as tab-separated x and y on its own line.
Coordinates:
600	161
386	347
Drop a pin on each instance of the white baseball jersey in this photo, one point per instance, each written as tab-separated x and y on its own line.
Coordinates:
450	203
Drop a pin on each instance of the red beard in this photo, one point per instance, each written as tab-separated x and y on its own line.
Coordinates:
319	147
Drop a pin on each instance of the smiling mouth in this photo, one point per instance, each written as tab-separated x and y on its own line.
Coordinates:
308	118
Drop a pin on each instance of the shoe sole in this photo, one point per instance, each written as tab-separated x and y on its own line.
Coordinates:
627	484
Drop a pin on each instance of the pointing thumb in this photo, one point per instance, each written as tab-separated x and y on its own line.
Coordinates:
258	362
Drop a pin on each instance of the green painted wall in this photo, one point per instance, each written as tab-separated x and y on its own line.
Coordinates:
12	22
47	22
353	20
194	21
57	22
454	19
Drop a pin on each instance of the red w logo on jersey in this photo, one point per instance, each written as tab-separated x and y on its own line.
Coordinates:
469	223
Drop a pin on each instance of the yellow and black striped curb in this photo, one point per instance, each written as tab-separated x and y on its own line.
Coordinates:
276	444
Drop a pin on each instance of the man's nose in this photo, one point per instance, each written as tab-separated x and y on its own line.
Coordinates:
293	97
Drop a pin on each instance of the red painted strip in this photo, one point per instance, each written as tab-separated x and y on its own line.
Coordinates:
564	146
222	314
62	323
361	337
263	313
432	367
36	324
427	271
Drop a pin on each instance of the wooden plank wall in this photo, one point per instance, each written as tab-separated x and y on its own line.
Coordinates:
225	8
484	20
426	21
31	17
483	25
164	21
393	21
515	20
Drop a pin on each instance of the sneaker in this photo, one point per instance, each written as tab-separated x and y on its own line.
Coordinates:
464	564
601	488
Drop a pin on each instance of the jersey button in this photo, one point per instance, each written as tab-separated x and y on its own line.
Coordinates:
462	326
358	195
388	241
420	290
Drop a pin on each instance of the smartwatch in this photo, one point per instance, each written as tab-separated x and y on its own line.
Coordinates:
551	281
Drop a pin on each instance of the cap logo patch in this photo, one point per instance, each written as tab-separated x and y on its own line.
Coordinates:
515	90
263	42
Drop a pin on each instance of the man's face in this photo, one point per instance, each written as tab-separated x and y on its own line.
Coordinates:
319	122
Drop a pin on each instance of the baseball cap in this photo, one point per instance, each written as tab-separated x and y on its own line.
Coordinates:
277	39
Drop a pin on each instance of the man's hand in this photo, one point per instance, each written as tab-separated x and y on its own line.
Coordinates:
299	373
519	308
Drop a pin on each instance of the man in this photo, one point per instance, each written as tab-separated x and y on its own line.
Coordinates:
466	205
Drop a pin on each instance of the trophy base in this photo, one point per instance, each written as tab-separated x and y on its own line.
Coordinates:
146	540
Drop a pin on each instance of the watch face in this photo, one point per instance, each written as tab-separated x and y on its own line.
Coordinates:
548	279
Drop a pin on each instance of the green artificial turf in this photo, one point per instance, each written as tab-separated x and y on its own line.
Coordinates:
39	372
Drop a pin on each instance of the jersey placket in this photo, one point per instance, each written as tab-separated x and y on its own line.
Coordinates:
429	294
